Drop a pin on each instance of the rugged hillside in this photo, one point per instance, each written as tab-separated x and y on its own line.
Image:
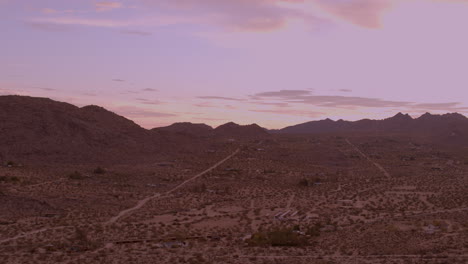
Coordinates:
237	131
40	128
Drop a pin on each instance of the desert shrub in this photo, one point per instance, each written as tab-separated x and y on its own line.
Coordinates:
200	188
81	241
75	176
99	170
12	179
314	230
304	182
278	237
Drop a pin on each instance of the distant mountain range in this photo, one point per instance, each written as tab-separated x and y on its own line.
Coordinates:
449	128
227	130
398	123
40	128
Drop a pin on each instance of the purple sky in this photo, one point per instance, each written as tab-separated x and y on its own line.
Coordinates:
271	62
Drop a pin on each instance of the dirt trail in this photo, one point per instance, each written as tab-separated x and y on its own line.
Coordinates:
31	233
385	172
142	202
128	211
45	183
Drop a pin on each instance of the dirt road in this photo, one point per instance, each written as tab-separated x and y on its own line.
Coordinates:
385	172
142	202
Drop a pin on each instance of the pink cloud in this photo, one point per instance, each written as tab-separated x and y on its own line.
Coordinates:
239	15
50	27
48	11
107	6
365	13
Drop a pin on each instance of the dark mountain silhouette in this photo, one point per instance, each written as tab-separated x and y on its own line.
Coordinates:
43	130
187	128
446	128
41	127
400	122
238	131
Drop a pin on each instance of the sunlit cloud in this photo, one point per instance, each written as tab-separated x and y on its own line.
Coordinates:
240	15
294	97
48	11
107	6
364	13
90	22
49	27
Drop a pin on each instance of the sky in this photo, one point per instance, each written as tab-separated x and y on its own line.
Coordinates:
271	62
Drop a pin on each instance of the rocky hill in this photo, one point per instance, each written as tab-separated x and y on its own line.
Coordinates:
40	128
187	128
238	131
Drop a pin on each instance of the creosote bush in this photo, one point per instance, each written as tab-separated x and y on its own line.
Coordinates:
278	237
304	182
314	230
75	176
99	170
12	179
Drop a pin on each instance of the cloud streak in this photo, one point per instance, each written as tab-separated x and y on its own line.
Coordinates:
48	27
232	15
107	6
346	102
136	33
135	112
221	98
364	13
